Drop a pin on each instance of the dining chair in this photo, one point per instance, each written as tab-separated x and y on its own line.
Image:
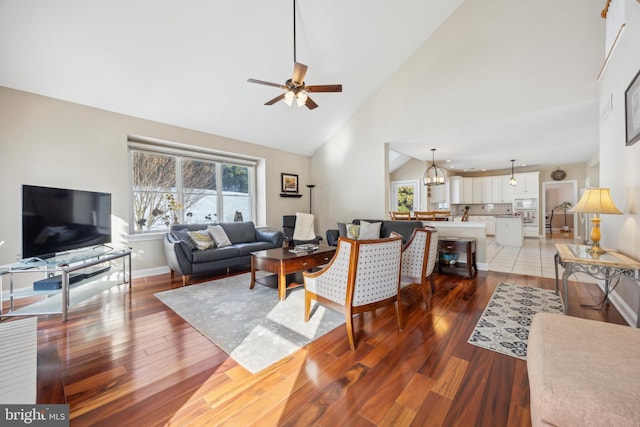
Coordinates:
549	220
400	216
362	276
424	215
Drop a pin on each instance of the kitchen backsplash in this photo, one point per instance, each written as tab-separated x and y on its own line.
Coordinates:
486	209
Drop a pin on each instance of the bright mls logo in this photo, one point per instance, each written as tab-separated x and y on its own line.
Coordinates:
34	415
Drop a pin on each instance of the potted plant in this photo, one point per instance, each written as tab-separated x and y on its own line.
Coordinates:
564	206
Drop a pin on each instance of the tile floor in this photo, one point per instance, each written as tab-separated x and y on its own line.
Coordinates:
535	258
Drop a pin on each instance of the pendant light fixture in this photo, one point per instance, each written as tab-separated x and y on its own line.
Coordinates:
434	175
512	180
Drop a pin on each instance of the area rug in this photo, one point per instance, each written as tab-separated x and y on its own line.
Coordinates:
504	324
251	325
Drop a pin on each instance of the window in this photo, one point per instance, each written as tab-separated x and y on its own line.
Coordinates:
179	186
405	196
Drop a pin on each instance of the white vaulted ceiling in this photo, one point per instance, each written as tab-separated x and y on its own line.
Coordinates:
187	63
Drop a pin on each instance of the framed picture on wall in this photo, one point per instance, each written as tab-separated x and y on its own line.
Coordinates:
632	109
289	183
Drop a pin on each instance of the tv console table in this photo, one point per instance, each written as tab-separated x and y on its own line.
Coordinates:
84	267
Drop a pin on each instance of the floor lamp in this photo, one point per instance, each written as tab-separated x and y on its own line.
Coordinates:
310	187
596	201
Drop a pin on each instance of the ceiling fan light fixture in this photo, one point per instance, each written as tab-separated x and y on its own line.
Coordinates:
301	98
288	98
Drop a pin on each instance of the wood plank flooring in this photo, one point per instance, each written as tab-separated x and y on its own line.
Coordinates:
125	359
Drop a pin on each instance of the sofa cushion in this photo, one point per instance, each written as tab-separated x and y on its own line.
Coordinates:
240	232
342	229
369	230
247	248
219	236
583	372
201	239
215	254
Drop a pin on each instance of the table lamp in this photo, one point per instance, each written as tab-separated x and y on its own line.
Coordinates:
596	201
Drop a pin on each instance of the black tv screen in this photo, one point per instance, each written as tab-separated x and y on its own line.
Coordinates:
56	220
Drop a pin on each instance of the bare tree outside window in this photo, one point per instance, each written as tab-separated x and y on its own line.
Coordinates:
173	189
154	176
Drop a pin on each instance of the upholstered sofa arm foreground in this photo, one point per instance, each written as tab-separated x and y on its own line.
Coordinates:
583	372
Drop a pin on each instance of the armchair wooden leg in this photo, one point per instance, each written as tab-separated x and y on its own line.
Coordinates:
185	279
427	292
307	306
399	314
349	323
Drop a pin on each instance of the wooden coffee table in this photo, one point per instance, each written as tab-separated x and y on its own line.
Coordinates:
281	261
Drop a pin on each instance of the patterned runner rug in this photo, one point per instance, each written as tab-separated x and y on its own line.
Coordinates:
251	325
504	324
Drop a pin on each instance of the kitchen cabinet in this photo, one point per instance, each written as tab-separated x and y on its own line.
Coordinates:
501	191
455	190
467	190
527	184
439	193
481	189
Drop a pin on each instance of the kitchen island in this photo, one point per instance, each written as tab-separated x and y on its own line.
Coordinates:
509	231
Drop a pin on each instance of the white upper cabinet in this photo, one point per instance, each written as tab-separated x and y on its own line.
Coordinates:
501	191
482	189
460	190
527	184
439	193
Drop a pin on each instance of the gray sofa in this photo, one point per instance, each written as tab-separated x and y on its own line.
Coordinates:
404	228
183	256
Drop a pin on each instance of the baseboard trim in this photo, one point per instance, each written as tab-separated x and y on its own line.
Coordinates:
621	305
137	274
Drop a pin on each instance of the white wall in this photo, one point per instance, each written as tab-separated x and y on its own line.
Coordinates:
56	143
491	60
619	163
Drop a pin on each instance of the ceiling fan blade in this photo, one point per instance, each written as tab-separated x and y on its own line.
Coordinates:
274	100
310	104
299	71
262	82
324	88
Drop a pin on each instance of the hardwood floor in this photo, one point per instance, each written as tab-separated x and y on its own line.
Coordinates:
125	359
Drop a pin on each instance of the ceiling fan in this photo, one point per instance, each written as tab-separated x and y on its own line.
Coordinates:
295	87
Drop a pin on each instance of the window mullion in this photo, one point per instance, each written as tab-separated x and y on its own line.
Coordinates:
179	187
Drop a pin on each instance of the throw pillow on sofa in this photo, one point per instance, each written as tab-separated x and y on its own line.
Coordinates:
219	236
353	231
369	230
201	239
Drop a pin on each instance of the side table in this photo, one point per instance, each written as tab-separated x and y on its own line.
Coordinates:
450	249
610	265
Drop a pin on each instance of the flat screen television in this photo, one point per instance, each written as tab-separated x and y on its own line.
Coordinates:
56	220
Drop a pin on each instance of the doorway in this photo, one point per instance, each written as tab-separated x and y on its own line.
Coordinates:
554	195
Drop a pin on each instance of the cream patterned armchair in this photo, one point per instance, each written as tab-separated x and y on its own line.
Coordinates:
362	276
419	260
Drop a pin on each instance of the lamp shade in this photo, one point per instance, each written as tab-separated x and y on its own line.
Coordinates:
597	201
